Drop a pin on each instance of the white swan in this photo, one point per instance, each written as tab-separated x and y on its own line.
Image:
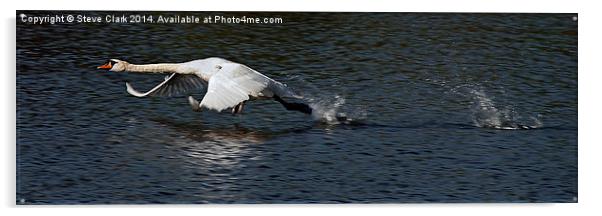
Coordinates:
229	84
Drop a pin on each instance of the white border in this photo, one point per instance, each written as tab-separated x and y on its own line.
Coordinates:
589	114
522	6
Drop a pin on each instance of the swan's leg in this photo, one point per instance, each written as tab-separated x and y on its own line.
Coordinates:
238	108
194	104
301	107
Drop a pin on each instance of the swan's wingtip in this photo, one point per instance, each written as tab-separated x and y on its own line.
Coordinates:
132	91
129	88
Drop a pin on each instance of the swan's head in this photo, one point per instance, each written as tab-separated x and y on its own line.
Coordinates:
115	65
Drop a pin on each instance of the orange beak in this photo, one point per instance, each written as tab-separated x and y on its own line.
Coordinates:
105	66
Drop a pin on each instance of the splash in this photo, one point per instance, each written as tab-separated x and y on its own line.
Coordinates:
335	111
328	108
485	110
486	114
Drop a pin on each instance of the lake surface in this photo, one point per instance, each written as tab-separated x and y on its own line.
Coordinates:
437	107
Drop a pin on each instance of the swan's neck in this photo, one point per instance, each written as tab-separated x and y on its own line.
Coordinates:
153	68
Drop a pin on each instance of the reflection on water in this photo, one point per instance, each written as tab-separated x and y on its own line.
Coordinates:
408	106
228	135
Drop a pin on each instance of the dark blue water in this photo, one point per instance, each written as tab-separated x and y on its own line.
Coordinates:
438	107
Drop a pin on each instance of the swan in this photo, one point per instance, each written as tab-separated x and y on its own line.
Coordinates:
229	84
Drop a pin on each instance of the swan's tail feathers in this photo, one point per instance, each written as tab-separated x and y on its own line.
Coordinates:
194	104
301	107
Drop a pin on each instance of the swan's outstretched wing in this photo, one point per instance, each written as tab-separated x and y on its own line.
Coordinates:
234	83
174	84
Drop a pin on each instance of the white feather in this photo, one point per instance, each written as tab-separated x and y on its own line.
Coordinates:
234	83
173	84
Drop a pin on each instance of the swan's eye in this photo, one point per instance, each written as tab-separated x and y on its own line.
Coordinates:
112	62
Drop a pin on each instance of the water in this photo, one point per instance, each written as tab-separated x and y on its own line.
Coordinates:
409	107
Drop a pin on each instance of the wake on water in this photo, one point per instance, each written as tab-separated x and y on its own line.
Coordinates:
484	112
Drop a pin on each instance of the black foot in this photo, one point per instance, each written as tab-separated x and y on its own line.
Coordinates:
301	107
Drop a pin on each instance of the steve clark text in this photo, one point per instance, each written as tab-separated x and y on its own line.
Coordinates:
145	18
